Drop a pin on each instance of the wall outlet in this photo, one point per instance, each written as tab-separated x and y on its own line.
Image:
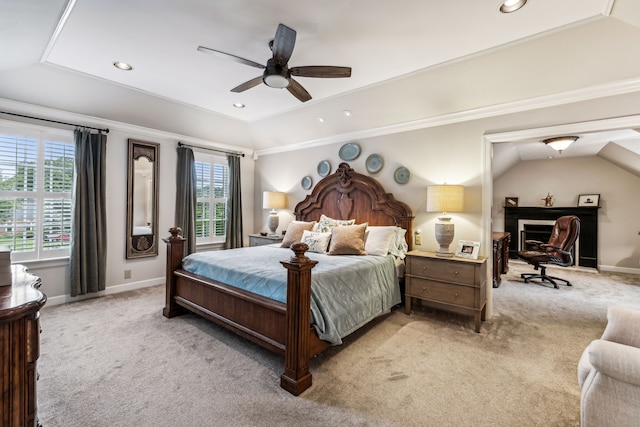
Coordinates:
127	274
418	239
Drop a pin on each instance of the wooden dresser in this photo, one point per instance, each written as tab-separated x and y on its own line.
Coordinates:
501	241
456	284
20	305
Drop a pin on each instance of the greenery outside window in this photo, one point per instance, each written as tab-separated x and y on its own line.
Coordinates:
36	184
212	192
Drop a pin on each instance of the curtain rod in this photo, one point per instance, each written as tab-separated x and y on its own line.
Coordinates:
54	121
233	153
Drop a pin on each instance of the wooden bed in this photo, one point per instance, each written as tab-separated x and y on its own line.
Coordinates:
284	328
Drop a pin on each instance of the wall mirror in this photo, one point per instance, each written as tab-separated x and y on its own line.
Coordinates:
142	199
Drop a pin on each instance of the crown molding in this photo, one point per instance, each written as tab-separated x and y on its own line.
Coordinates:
585	94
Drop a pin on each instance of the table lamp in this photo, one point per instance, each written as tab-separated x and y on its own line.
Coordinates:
445	198
273	200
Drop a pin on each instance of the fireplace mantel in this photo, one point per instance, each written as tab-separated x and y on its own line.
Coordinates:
588	242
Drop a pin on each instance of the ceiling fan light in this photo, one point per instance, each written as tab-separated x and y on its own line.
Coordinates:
276	81
560	143
509	6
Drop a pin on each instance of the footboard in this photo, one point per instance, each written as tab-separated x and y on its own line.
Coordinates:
284	329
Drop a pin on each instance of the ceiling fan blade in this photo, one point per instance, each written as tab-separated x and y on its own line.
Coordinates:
283	43
298	91
321	71
231	57
247	85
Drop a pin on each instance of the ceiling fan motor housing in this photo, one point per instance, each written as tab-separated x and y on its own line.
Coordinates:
276	75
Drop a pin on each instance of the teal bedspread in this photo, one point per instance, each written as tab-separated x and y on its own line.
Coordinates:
347	291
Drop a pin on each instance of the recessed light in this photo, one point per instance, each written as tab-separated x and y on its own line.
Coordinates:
347	113
509	6
238	104
122	66
320	119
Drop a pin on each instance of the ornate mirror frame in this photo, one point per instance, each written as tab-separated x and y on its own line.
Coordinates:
142	199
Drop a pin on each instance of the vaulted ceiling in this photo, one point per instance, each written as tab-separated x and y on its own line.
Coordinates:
410	60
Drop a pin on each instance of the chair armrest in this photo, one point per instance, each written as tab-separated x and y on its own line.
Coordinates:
537	243
623	326
614	360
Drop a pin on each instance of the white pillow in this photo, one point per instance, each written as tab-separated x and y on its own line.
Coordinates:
379	240
400	247
317	242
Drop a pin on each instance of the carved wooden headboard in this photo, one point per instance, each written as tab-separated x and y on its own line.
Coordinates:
347	194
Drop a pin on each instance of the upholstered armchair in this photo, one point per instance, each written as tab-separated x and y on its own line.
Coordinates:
609	373
557	251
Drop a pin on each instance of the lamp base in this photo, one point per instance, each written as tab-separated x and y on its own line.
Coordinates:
444	236
272	222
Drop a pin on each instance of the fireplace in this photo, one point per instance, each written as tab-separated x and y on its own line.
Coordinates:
539	218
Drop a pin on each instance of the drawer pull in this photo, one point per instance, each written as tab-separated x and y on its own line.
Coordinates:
424	288
455	273
455	294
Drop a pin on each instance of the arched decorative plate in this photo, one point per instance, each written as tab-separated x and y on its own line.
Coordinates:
324	168
402	175
307	182
349	151
374	163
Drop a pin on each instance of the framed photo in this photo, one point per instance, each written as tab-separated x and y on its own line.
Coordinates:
468	249
589	200
510	202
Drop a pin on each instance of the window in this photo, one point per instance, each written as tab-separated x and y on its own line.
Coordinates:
212	191
36	183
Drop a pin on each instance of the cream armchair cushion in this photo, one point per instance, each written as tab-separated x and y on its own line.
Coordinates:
609	373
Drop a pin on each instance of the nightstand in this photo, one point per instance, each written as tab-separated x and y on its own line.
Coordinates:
259	240
455	284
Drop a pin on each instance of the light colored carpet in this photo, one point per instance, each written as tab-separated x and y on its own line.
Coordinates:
116	361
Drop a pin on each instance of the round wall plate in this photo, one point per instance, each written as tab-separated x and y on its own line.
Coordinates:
349	151
324	168
402	175
306	182
374	163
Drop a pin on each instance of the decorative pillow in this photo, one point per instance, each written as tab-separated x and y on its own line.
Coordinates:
379	240
326	224
294	232
348	240
317	242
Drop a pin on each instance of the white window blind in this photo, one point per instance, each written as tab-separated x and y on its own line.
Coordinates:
212	191
36	183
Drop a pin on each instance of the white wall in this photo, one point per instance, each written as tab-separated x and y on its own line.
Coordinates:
565	179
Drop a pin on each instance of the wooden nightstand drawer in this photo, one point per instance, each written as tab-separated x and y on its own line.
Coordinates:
450	271
443	292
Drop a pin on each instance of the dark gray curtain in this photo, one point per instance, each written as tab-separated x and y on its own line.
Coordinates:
89	229
234	205
186	198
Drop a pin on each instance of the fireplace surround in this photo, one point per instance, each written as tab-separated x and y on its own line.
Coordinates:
587	245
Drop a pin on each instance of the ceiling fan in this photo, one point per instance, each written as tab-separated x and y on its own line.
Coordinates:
276	73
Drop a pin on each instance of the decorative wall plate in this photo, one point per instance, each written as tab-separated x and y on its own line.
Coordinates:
374	163
306	182
324	168
402	175
349	151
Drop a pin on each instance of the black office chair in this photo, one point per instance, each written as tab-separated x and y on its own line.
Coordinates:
558	251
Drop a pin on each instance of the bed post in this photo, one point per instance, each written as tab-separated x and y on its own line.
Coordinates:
296	377
175	244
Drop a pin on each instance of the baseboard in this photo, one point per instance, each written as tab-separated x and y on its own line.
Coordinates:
115	289
616	269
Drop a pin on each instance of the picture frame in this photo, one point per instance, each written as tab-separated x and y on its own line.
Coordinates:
588	200
510	202
468	249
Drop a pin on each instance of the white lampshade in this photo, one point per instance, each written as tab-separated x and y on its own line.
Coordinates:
560	143
274	200
445	198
